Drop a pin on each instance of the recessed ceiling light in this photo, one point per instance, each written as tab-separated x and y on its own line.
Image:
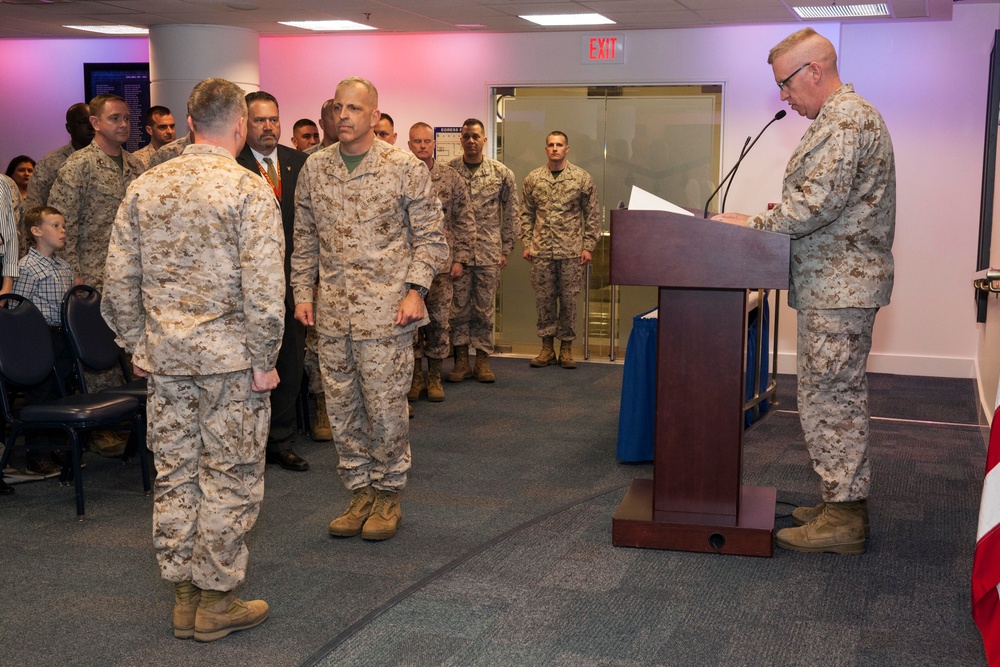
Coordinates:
111	29
835	11
568	19
326	26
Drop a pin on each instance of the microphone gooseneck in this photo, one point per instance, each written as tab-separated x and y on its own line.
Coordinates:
778	116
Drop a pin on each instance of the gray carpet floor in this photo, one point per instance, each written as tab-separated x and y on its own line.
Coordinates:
504	556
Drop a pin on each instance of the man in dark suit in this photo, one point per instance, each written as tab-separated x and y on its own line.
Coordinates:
279	166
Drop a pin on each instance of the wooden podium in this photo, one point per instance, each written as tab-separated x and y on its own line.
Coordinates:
696	500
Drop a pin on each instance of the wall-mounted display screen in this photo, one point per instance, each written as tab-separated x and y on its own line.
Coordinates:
130	81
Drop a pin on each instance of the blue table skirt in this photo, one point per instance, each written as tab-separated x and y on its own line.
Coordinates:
637	414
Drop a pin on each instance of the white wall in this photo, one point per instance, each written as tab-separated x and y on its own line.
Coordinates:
928	79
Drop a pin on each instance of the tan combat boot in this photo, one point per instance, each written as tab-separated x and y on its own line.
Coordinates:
321	431
221	613
803	515
418	384
435	392
482	370
566	354
546	356
462	368
385	518
839	529
349	523
186	598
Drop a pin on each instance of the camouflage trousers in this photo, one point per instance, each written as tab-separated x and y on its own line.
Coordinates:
474	307
557	283
311	362
207	434
833	347
365	383
434	339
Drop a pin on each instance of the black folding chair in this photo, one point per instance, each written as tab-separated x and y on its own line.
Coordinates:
93	342
26	359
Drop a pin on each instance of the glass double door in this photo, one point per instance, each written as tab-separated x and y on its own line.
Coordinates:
663	139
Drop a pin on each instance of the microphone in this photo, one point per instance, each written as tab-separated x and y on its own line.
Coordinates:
725	196
778	116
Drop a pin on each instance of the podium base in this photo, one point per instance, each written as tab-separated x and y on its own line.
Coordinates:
633	525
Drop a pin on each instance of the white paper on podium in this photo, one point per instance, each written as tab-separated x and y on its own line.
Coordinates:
640	200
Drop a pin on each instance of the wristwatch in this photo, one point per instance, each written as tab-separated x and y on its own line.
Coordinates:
419	289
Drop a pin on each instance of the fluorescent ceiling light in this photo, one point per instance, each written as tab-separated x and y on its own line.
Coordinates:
327	26
568	19
835	11
111	29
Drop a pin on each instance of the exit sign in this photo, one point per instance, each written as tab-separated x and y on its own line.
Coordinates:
604	48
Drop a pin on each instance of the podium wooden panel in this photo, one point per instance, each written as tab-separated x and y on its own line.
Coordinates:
696	500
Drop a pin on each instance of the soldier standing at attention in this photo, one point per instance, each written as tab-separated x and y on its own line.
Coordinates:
368	224
493	193
838	204
560	227
433	340
203	227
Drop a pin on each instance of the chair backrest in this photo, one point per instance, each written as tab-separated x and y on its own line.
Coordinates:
26	355
90	338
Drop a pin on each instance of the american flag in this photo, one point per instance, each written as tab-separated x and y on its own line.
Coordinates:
986	563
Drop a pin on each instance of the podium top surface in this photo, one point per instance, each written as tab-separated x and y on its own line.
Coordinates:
663	249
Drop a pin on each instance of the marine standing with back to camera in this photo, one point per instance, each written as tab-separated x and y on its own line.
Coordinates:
838	204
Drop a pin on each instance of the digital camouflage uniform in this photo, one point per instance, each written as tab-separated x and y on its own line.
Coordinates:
493	193
194	289
839	206
40	183
560	218
169	151
434	339
366	234
144	153
87	191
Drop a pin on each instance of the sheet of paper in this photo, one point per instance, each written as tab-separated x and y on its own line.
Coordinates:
640	200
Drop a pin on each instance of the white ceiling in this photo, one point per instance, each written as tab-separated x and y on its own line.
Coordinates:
45	18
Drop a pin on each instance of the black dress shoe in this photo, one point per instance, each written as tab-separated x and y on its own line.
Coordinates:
5	488
288	460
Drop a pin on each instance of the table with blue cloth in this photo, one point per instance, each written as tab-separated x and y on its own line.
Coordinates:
637	414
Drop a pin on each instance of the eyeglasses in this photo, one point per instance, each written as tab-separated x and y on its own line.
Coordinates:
784	82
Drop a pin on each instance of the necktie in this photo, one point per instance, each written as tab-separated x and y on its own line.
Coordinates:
271	173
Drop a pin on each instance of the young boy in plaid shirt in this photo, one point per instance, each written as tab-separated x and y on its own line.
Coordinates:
43	278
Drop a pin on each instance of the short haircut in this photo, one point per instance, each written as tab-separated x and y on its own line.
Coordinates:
303	122
387	117
327	108
422	124
156	111
16	161
75	109
474	121
369	86
558	133
34	217
800	36
100	101
214	103
261	96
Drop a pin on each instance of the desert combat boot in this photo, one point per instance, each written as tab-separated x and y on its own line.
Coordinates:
839	529
349	523
482	370
435	391
566	354
221	613
546	356
418	384
462	369
803	515
321	431
385	517
186	598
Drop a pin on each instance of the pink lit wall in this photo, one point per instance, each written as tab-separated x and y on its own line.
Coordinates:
927	78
